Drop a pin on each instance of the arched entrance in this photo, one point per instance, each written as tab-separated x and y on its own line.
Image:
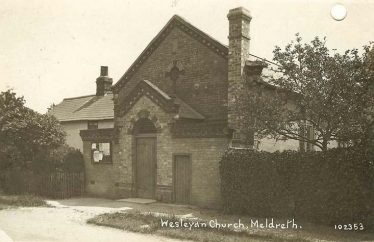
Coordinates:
145	158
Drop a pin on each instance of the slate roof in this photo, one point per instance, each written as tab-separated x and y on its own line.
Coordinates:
90	107
185	110
94	107
159	97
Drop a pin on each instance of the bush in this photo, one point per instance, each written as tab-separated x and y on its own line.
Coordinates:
64	158
72	160
23	201
327	187
17	181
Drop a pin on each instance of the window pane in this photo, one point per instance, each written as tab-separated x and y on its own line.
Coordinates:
101	152
105	148
97	156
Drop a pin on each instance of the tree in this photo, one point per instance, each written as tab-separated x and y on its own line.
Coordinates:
312	86
25	135
368	83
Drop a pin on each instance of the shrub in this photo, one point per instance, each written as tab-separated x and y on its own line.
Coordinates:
64	158
23	201
327	187
26	179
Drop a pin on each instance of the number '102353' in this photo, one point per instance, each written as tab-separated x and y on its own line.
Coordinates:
355	226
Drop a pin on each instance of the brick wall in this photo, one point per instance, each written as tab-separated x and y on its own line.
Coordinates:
205	155
239	21
124	150
204	83
101	179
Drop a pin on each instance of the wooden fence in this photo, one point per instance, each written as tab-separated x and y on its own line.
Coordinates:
57	185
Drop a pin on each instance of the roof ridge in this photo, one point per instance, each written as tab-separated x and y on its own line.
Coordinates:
196	28
87	103
71	98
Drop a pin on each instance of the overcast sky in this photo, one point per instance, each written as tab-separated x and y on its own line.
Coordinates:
50	50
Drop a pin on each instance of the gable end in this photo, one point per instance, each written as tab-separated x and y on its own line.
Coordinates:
175	21
145	89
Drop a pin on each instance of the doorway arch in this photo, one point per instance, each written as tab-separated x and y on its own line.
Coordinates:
144	126
145	171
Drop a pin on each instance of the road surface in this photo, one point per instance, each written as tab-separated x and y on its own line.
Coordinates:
63	224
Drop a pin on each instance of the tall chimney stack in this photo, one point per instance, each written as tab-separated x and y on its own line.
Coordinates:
103	82
239	21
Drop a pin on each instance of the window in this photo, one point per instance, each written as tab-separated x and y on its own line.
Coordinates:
101	152
92	125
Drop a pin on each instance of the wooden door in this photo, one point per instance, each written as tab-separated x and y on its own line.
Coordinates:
145	167
182	179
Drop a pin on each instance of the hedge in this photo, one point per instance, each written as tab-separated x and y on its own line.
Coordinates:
325	187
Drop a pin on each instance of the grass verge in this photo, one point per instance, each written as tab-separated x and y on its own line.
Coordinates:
22	201
149	223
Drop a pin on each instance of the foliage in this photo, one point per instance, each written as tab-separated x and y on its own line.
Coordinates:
23	201
67	159
24	133
314	86
136	221
329	187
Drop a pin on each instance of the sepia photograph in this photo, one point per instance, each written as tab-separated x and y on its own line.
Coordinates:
186	120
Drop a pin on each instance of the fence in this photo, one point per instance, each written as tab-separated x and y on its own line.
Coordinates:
58	185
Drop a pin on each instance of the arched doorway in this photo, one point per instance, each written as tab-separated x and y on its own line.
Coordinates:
145	158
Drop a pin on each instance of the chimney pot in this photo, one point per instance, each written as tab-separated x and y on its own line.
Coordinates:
104	71
103	82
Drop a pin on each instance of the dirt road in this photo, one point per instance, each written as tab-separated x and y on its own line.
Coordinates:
63	224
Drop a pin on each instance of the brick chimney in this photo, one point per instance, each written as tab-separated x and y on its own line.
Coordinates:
239	20
103	82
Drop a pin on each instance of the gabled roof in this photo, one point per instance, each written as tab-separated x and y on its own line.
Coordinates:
90	107
159	97
175	22
186	111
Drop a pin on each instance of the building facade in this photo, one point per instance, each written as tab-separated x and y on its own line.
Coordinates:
86	112
173	116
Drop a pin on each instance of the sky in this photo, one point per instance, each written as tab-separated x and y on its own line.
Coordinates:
50	50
